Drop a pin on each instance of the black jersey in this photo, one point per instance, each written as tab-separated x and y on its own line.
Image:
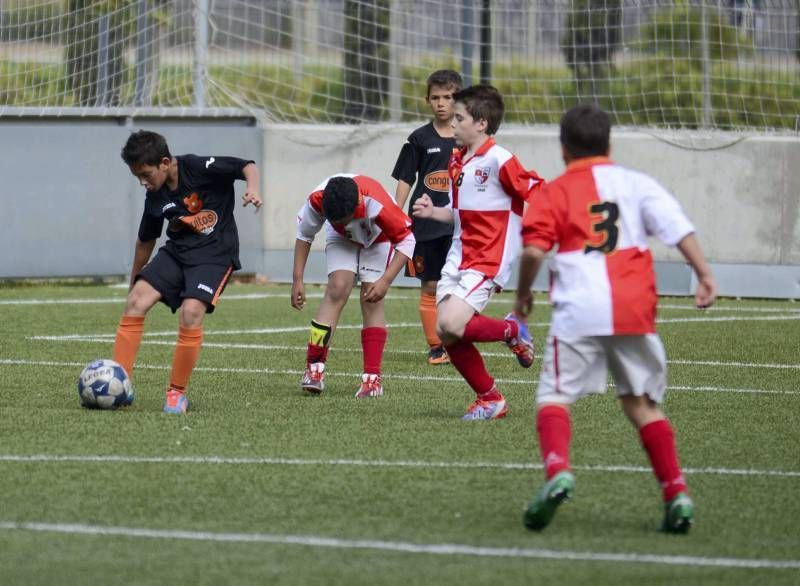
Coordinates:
199	213
423	160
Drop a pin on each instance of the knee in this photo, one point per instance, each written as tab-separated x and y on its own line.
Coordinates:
448	328
192	313
337	292
138	302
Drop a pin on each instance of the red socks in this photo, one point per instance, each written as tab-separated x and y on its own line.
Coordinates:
468	361
553	425
659	443
487	329
373	341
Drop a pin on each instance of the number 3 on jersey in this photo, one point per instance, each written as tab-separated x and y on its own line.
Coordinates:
605	229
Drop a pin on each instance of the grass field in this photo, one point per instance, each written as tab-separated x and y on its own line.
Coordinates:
259	484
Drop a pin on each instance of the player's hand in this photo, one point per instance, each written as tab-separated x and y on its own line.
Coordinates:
523	304
251	196
298	295
706	292
376	291
423	207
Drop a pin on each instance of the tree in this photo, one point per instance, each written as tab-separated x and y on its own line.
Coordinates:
591	38
366	59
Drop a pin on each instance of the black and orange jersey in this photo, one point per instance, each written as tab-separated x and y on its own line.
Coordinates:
199	213
423	160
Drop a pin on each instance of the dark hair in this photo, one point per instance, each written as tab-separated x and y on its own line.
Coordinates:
340	198
585	131
483	102
145	148
444	78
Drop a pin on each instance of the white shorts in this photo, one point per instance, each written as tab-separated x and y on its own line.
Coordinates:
574	367
369	264
473	287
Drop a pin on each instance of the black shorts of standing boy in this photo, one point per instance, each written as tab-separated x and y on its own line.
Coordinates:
429	259
177	282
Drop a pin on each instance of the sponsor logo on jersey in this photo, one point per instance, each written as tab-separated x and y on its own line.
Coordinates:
437	180
168	206
434	150
202	222
205	288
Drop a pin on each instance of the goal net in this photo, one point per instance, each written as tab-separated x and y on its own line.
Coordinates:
721	65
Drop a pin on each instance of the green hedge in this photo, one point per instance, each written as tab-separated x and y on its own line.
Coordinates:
653	91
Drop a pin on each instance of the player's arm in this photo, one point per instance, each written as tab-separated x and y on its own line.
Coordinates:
706	285
424	208
397	227
519	182
302	249
401	193
141	255
529	265
252	192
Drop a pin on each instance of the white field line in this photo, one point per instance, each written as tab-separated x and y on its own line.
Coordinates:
447	549
412	297
293	372
280	461
106	338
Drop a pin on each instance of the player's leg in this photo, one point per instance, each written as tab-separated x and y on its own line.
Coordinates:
371	266
203	286
159	280
458	304
341	256
429	259
571	368
638	365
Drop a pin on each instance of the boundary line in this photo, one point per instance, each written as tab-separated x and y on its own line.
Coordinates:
449	549
105	338
282	461
390	376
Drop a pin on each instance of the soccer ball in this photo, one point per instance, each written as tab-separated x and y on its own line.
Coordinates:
104	384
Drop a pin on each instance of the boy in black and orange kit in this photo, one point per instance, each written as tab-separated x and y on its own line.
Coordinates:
423	160
195	196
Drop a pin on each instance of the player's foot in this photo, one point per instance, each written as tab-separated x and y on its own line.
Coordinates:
314	378
521	344
481	409
543	506
176	402
438	355
370	386
678	514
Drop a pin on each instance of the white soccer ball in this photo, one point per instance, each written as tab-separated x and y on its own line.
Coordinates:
104	384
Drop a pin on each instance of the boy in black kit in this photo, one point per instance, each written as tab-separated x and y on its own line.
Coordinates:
195	196
423	160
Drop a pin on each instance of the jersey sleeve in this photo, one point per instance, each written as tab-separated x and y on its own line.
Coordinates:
662	213
150	226
405	169
540	225
309	219
519	182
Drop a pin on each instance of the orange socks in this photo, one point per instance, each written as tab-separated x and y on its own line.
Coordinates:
126	345
187	351
427	314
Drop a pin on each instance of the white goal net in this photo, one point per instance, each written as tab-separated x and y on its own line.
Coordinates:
700	64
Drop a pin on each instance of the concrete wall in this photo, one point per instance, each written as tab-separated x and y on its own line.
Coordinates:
744	199
70	207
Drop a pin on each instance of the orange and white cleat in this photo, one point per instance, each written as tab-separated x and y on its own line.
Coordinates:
176	401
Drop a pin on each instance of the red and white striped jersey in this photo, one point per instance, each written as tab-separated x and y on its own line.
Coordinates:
488	192
377	217
600	215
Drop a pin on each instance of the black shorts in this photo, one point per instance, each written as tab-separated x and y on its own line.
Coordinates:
177	282
429	259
